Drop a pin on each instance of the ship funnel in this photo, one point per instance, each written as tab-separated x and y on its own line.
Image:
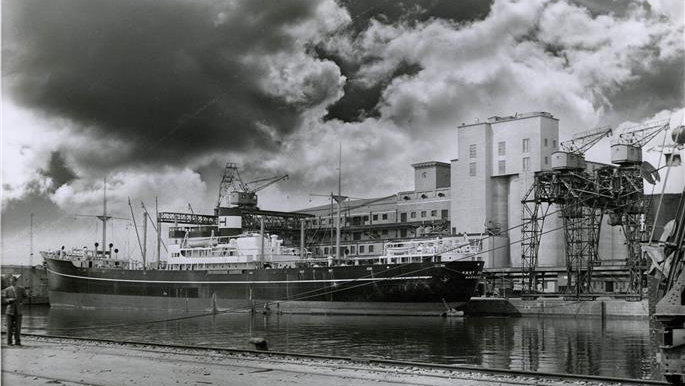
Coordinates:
230	221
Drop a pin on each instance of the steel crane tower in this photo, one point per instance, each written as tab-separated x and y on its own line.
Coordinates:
572	189
631	209
234	192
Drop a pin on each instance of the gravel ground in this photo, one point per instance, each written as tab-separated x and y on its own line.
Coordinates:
42	361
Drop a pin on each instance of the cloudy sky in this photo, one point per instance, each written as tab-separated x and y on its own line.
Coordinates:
158	95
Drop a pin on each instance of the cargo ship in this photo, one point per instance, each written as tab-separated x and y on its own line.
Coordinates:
254	271
234	260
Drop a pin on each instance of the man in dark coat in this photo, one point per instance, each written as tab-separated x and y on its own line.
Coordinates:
14	297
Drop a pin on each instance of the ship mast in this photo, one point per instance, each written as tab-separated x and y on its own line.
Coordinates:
339	198
104	218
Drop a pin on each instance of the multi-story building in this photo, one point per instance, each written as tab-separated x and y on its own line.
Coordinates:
367	224
496	163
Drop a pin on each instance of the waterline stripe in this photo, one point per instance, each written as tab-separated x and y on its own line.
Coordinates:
242	282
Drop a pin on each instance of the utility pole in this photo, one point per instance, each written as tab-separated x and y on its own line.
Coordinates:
31	241
159	231
145	215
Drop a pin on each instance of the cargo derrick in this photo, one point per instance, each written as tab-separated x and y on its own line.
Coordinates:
574	190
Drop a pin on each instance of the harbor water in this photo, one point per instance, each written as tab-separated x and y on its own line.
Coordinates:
621	348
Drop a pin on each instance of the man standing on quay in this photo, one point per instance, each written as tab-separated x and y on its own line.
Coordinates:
14	296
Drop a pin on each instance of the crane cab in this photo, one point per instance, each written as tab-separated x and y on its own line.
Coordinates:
622	154
564	160
242	199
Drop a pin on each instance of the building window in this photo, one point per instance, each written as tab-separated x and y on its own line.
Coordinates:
423	213
546	160
554	144
403	233
445	213
472	169
366	218
545	142
385	216
526	164
434	213
501	148
472	151
501	165
353	249
375	217
526	145
384	232
361	249
413	215
356	236
370	248
325	250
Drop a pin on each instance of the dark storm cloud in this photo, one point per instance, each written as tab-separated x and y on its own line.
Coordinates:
389	11
361	100
166	77
58	171
661	87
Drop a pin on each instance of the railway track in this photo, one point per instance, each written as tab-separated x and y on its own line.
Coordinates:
356	363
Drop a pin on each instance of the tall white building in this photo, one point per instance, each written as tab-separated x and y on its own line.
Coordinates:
495	167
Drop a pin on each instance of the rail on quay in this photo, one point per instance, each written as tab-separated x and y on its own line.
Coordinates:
353	363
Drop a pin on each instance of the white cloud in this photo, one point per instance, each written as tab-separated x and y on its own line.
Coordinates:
174	187
524	56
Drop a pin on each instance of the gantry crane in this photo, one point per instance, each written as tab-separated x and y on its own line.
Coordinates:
233	192
570	187
630	208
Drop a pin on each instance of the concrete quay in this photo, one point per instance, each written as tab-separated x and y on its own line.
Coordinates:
600	307
49	360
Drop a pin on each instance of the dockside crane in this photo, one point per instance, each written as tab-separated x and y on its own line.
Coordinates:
627	183
572	188
234	192
571	155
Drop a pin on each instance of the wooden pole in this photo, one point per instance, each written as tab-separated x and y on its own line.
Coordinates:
144	237
159	231
31	242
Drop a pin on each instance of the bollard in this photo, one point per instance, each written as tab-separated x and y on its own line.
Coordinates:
259	343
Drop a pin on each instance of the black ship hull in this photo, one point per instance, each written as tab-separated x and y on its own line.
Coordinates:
406	289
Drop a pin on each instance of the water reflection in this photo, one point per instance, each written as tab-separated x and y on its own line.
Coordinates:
582	346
